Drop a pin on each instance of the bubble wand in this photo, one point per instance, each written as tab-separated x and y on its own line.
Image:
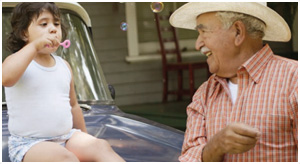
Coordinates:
66	43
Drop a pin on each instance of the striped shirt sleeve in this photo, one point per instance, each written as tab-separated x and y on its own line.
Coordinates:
195	135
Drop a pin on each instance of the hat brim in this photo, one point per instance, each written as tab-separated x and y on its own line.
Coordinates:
276	27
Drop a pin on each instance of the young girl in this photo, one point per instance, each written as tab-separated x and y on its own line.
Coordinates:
45	120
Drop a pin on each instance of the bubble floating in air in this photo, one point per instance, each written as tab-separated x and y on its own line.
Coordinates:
124	26
157	7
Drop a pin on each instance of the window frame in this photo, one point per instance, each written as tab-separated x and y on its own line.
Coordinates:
139	52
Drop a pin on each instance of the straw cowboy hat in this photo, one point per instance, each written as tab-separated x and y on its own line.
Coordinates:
276	27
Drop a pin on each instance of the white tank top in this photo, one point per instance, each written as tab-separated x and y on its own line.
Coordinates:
39	103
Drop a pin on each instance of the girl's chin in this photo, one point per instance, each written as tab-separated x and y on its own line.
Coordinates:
48	50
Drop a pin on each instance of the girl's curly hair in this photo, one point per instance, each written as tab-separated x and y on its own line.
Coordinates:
22	16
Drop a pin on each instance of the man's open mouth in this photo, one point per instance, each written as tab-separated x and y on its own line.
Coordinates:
208	53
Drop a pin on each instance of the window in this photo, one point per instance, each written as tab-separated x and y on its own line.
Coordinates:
142	37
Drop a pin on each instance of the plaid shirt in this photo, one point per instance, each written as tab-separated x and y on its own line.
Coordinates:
267	99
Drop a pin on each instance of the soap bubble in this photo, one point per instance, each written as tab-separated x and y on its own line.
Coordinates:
124	26
157	7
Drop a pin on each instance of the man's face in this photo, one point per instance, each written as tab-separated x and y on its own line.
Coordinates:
217	43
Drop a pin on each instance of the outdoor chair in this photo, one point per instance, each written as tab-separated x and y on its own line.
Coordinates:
179	66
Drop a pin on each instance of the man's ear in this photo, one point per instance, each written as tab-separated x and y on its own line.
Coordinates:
240	32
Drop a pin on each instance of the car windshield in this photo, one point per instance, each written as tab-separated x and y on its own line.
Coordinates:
90	84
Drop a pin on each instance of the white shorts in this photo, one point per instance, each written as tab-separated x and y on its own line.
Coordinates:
18	145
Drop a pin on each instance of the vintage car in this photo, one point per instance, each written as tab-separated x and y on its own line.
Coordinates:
133	137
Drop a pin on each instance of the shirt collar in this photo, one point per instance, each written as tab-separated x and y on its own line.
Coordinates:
253	66
256	64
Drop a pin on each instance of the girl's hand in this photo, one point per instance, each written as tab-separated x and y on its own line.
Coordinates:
46	41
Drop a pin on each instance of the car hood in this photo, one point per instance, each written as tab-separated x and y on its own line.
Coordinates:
134	138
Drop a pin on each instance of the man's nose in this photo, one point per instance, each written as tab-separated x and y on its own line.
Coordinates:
199	43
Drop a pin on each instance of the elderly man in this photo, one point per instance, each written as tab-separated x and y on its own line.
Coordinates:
248	108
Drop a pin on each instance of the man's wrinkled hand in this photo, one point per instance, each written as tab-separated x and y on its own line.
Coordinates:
237	138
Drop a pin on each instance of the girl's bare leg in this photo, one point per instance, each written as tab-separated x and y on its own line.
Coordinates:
49	152
90	148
